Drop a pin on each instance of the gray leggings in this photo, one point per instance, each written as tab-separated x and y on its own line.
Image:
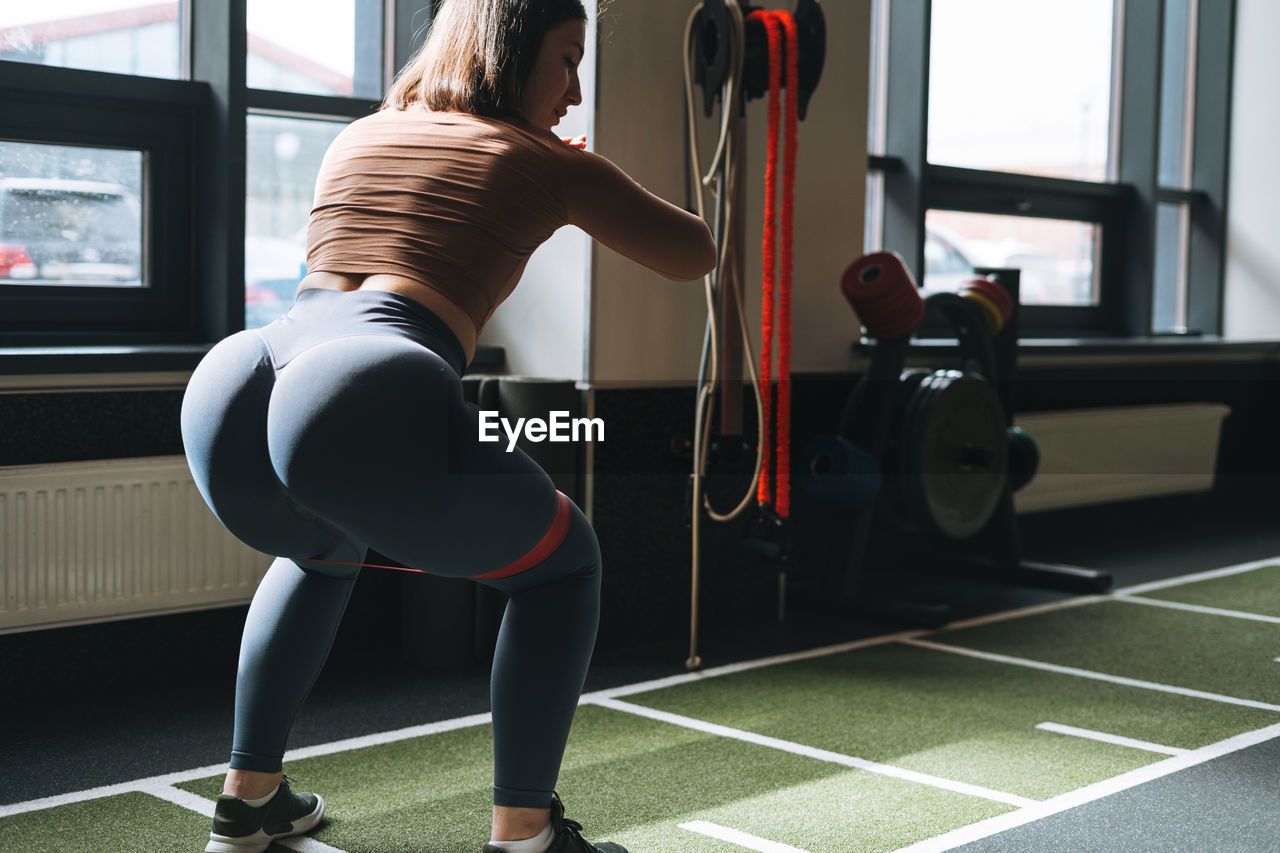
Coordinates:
342	427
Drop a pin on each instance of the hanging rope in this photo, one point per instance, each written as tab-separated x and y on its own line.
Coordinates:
788	263
777	490
764	492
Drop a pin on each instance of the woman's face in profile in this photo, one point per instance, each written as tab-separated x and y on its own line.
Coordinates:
553	85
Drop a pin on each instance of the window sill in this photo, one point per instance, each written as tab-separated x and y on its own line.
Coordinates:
34	369
100	359
1087	352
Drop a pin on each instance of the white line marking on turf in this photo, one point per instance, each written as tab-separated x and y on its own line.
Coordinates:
814	752
179	797
306	844
150	783
186	799
1136	590
738	837
1118	740
111	790
1089	674
1096	676
380	738
1198	608
1212	574
1023	612
743	666
1090	793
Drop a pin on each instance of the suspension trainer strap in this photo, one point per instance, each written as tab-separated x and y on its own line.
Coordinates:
764	491
775	471
783	486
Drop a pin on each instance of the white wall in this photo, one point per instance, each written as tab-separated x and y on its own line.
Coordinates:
543	324
1252	306
645	330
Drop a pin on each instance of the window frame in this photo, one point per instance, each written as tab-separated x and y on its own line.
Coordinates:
161	118
193	133
1124	206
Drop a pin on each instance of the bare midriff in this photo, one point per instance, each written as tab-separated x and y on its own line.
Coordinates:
454	317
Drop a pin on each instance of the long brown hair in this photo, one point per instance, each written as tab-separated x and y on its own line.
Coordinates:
479	54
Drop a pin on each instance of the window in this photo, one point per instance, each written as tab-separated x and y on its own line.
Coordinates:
315	47
96	214
157	160
1081	141
307	79
1049	117
71	215
284	157
121	36
1177	114
1057	257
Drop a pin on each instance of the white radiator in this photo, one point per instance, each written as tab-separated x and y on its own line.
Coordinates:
1093	456
93	541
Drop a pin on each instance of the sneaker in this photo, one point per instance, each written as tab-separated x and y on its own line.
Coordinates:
568	837
240	828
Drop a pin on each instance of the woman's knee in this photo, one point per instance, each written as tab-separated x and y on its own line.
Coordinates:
576	558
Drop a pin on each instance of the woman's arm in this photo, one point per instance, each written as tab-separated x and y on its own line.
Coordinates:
606	203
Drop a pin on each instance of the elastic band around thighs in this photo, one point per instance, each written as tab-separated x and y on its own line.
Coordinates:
546	546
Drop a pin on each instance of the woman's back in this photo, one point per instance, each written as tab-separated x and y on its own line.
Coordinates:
454	201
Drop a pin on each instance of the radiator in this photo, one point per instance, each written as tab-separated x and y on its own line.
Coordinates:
94	541
1094	456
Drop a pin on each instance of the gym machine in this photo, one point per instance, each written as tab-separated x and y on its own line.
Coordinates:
924	463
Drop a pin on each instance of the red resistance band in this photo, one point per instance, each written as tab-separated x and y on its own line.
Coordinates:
550	541
779	494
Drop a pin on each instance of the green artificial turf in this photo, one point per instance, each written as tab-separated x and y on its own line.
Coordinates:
1217	654
126	823
1257	591
634	780
626	779
956	717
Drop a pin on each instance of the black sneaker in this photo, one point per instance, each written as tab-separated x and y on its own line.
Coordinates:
240	828
568	837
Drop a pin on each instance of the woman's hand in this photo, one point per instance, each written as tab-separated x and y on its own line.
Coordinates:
579	142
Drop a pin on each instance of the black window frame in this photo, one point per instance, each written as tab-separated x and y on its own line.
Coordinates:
193	133
160	118
1124	206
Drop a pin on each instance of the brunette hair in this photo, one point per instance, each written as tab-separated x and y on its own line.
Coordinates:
479	54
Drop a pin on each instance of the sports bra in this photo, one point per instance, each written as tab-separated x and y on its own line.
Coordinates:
455	201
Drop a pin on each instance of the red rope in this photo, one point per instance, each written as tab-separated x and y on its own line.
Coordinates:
764	491
777	448
788	263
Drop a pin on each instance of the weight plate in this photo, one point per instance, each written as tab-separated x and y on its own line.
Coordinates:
955	453
910	488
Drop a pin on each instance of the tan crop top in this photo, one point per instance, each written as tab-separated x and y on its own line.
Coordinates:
455	201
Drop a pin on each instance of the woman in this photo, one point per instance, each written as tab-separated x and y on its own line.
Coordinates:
341	427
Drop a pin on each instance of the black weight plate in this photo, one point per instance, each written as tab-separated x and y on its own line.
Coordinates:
956	453
910	484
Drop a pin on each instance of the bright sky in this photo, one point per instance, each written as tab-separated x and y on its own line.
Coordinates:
1011	79
322	30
